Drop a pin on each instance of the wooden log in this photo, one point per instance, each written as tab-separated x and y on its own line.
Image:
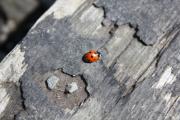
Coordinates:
136	78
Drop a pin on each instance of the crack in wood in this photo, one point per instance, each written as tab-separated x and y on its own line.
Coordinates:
171	107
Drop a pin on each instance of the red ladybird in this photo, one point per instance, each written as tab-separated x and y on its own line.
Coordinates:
92	56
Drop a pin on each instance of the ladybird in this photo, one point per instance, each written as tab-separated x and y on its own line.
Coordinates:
91	56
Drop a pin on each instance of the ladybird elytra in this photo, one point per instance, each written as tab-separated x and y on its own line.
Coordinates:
91	56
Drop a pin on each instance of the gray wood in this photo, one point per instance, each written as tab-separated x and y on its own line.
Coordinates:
136	79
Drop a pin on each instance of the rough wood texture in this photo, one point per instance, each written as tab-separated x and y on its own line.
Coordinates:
137	78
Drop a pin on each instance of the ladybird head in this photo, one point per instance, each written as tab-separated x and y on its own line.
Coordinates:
99	54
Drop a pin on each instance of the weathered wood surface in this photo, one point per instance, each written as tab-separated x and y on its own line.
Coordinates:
137	78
